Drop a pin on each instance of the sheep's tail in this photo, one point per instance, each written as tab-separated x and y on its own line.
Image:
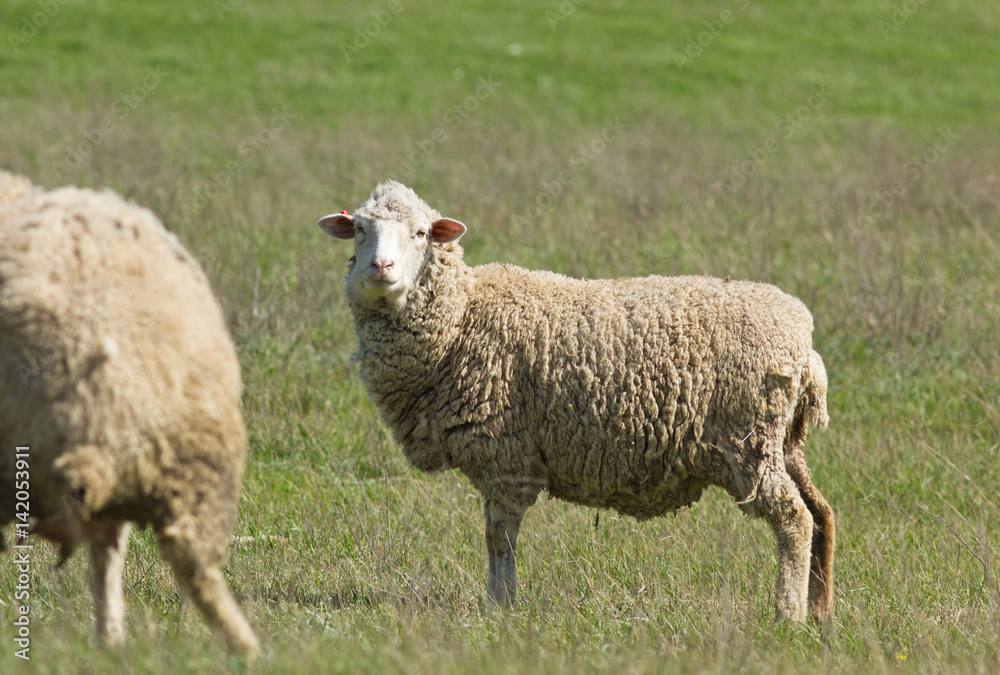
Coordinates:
811	408
813	400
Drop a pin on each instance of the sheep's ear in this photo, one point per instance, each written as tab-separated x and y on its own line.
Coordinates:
446	230
339	225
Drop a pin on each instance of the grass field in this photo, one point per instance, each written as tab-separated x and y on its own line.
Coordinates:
845	151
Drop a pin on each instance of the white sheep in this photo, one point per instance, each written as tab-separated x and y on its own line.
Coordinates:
631	394
118	375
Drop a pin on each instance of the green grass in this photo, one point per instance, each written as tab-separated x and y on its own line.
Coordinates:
381	568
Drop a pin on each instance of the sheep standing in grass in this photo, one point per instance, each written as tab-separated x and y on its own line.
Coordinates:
631	394
117	373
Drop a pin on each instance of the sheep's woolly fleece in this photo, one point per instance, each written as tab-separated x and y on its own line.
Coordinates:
598	391
117	371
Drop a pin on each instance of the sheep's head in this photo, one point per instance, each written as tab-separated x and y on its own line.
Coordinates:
393	233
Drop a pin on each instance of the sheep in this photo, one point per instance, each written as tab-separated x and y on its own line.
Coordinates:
118	375
626	394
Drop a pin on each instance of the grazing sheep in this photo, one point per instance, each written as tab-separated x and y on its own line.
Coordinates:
117	373
631	394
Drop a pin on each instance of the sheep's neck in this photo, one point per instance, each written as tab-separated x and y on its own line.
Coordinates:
400	353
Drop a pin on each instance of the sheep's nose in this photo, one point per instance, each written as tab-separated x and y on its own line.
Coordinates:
381	266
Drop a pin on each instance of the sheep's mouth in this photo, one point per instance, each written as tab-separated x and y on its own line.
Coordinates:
381	282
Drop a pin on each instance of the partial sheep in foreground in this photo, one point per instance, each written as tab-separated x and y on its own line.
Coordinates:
117	373
631	394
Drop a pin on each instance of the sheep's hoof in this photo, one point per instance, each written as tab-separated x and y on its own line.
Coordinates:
504	601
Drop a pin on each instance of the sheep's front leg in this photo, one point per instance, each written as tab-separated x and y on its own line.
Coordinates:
107	557
502	525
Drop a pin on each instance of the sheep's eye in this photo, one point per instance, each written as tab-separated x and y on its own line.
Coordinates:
359	230
421	233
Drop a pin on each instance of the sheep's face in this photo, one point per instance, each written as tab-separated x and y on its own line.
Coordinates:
393	233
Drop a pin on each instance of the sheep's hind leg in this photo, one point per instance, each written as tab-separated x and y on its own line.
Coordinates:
502	525
779	503
197	568
107	557
821	569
